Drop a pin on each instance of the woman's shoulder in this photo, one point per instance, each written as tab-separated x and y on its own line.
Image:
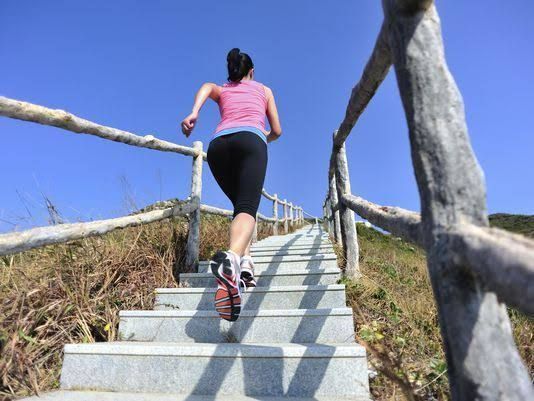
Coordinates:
259	84
264	88
255	84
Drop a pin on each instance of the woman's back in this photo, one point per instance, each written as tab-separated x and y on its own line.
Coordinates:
242	104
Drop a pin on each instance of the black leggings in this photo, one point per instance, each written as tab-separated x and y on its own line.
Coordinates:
238	162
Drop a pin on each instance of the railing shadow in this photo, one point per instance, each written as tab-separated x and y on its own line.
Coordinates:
265	375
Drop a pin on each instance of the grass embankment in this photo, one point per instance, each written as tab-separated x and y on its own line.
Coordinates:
73	293
396	318
517	223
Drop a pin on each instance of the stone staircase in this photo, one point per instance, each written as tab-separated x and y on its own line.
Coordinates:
294	338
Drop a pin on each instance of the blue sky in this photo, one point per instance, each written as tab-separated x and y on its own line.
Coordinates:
136	66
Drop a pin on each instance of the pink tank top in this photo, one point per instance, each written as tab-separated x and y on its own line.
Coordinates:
242	104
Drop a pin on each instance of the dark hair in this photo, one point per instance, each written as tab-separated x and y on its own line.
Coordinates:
239	64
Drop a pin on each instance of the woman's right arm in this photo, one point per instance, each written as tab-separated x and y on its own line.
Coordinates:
272	116
208	89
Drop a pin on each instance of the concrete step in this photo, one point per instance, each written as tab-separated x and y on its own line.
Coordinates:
285	243
283	297
291	251
305	263
115	396
294	238
253	326
291	238
323	259
263	247
334	370
294	258
272	277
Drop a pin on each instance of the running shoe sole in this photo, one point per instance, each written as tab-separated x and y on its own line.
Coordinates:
227	297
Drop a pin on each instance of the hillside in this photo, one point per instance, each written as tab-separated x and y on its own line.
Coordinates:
72	293
517	223
396	317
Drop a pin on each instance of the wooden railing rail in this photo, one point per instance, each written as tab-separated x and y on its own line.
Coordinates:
61	119
41	236
474	269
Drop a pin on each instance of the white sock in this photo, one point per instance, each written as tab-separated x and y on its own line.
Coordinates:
246	259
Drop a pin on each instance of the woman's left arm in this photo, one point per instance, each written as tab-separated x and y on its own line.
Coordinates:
208	89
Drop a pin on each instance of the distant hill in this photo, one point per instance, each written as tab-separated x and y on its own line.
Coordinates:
518	223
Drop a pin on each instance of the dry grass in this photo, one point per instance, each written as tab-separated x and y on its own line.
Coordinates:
73	292
396	320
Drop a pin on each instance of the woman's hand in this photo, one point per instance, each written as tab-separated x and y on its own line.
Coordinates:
270	136
189	123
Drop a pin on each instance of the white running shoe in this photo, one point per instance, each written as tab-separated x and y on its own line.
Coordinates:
225	268
247	271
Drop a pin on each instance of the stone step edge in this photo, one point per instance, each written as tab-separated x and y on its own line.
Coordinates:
277	272
225	350
286	252
77	395
280	288
271	247
329	257
322	241
318	255
250	313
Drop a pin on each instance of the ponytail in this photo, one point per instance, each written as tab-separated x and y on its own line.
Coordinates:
239	65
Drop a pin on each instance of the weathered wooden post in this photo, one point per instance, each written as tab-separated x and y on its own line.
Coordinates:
325	214
275	214
483	362
331	217
329	224
291	215
346	215
193	236
335	209
286	223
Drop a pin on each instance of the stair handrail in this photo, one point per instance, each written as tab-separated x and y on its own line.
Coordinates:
41	236
473	268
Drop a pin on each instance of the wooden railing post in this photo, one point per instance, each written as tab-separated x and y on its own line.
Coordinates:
335	209
482	360
275	214
292	215
330	218
193	236
329	225
324	212
346	216
286	223
325	215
